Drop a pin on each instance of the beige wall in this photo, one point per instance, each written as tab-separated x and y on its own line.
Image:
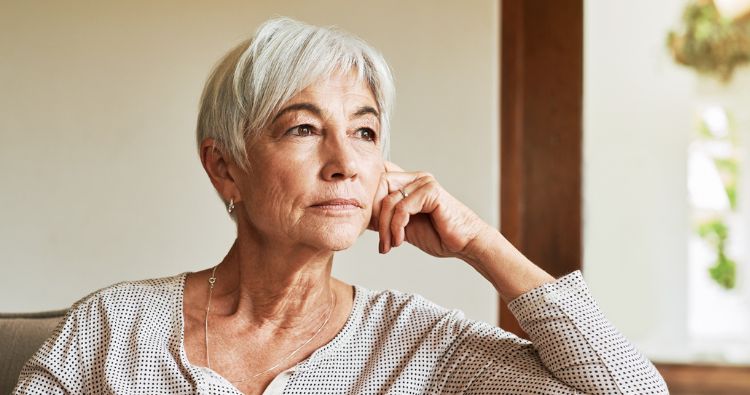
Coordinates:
98	169
638	117
641	112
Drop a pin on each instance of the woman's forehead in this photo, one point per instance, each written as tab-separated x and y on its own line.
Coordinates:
335	92
347	85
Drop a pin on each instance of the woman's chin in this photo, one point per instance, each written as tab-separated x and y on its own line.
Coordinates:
332	234
339	237
341	242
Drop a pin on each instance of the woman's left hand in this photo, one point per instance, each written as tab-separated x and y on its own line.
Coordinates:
427	217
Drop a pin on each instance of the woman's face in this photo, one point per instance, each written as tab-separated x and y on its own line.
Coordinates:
315	169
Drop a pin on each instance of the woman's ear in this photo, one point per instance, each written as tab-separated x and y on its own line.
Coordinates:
216	163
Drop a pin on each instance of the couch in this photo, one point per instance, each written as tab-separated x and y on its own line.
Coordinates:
21	334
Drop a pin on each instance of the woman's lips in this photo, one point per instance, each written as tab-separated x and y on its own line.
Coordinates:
336	206
339	204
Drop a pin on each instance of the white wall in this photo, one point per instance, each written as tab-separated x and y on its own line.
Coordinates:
99	174
638	117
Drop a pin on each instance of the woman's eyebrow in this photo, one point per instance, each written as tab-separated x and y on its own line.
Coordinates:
366	110
318	112
299	106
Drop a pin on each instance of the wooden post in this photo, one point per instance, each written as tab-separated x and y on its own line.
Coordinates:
541	86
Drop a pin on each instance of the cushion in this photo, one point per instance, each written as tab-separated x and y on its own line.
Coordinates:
21	334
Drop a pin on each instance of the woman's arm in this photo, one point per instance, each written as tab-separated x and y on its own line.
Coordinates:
568	332
509	271
55	367
572	344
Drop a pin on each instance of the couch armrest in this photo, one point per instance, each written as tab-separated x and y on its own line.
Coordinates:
21	335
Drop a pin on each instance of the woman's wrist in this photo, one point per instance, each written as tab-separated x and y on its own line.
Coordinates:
506	268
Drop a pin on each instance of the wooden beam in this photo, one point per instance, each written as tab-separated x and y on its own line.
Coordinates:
705	379
541	133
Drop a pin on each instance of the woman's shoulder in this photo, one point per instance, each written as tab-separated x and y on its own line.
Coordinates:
134	290
396	321
109	325
396	308
389	299
130	299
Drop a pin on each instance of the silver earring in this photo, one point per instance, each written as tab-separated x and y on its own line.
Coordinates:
230	207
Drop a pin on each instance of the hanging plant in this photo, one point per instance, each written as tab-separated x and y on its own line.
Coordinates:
711	41
713	184
724	270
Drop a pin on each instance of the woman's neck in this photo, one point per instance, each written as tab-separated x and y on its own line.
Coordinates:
273	288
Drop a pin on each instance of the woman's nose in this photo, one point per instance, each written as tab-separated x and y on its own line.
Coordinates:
339	158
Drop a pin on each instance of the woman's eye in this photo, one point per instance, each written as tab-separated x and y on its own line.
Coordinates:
301	130
366	134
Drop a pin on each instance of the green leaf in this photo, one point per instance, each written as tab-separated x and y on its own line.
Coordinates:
724	272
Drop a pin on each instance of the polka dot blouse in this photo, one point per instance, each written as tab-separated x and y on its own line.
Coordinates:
128	339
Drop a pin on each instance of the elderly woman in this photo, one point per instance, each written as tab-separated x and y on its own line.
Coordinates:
292	132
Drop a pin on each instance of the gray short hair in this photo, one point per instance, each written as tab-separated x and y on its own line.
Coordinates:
285	56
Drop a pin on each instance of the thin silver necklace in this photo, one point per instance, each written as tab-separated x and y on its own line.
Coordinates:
211	283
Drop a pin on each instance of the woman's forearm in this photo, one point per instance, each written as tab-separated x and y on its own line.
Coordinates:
509	271
559	317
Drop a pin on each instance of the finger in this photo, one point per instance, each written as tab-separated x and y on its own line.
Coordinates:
396	181
384	221
380	193
421	199
405	208
387	229
390	166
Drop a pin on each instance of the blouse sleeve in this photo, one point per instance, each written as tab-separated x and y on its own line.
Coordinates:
55	367
573	349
